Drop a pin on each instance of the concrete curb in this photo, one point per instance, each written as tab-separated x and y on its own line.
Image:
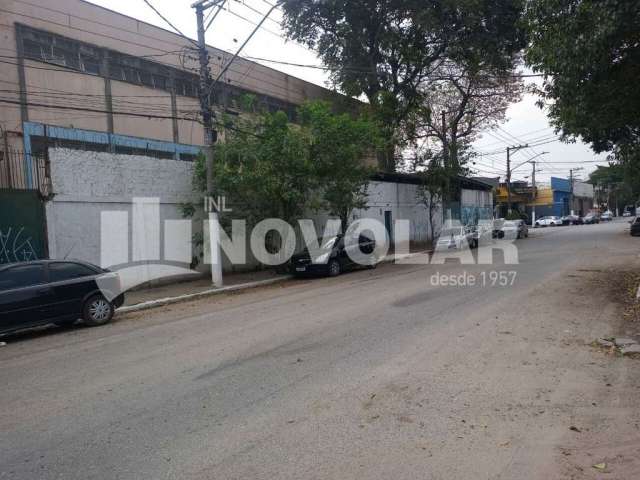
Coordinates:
206	293
233	288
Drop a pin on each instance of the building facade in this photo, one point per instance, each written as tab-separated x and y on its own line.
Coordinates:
98	108
556	198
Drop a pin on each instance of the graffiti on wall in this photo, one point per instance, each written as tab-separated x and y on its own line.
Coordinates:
16	246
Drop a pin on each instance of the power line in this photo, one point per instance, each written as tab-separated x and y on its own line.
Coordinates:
150	5
93	110
254	24
255	10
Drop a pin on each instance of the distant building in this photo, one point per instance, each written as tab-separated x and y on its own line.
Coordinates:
552	199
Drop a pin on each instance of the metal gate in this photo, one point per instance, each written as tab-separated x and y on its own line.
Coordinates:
22	226
14	167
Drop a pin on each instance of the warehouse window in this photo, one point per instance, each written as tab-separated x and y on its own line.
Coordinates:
69	53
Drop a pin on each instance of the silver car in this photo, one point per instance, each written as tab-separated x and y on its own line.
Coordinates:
455	238
514	229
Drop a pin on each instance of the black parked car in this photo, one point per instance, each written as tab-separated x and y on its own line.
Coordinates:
572	220
60	292
635	227
333	257
591	218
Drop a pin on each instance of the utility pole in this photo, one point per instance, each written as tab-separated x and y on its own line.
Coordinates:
445	143
533	193
210	139
509	149
571	170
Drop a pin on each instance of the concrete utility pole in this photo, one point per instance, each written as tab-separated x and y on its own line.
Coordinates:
533	193
445	143
210	138
571	170
509	149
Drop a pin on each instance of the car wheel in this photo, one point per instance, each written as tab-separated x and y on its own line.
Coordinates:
97	311
334	268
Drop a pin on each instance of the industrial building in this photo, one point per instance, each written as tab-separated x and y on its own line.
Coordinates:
98	109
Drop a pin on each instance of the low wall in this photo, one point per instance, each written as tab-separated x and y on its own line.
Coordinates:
86	185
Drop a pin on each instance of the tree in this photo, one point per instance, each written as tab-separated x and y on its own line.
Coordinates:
439	182
384	50
616	181
338	150
589	52
264	169
268	167
462	102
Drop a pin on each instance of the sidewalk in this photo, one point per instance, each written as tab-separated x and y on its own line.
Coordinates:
152	297
181	291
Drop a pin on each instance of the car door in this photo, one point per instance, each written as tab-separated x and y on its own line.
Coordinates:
71	283
343	247
24	296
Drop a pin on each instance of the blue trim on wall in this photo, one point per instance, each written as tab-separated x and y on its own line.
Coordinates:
101	138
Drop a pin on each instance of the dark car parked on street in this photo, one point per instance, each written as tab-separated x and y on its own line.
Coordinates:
591	218
572	220
59	292
333	257
635	227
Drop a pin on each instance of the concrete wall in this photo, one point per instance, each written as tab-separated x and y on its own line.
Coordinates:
475	206
402	201
85	184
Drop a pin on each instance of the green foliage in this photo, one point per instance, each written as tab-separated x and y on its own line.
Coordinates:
514	215
385	50
264	169
621	181
339	145
590	52
269	168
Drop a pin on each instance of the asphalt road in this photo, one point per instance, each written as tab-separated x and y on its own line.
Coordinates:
375	374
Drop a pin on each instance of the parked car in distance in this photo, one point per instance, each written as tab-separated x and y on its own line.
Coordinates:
456	238
482	233
591	218
497	225
551	221
333	256
56	291
635	227
626	213
607	216
572	220
514	229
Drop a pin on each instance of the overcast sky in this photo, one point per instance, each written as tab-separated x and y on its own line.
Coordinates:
526	123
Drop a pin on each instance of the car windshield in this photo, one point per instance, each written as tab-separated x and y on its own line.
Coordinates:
328	243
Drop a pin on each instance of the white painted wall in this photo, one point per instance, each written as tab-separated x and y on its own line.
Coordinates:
477	198
85	184
581	189
403	203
